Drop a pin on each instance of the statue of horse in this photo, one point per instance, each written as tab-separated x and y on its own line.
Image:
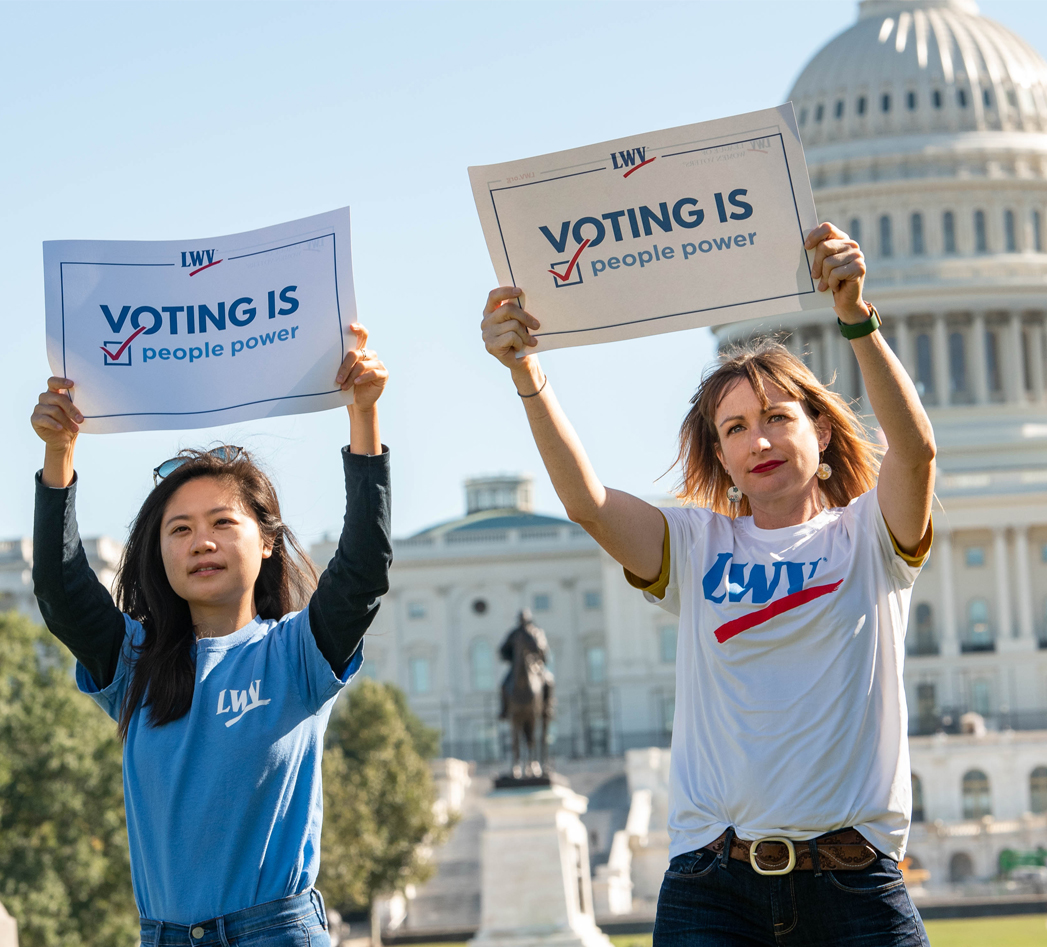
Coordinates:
527	692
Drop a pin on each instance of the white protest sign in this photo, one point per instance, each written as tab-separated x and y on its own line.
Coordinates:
191	333
674	229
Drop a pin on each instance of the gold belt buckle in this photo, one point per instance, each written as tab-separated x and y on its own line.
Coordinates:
777	871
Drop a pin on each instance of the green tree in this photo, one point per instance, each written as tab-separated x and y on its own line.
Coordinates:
64	868
378	798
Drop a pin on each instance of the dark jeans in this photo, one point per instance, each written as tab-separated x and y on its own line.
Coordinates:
707	901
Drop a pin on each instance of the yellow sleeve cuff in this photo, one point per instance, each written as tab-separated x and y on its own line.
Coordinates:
918	558
658	587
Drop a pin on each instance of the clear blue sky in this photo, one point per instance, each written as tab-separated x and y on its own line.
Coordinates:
145	121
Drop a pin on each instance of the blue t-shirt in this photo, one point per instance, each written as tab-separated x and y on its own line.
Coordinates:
224	805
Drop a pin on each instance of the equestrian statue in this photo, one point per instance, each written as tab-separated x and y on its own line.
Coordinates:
527	692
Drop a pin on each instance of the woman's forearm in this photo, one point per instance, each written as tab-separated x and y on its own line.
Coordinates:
58	467
894	400
364	436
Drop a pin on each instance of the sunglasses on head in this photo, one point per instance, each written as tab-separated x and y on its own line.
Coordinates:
227	453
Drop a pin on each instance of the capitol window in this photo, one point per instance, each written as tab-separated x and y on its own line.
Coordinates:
957	363
1009	235
981	243
855	233
936	98
1038	790
961	98
416	610
910	100
803	116
1037	234
861	104
979	629
886	242
667	644
885	103
916	226
917	799
541	602
975	789
418	670
596	664
481	665
839	108
593	600
949	231
986	98
819	112
974	556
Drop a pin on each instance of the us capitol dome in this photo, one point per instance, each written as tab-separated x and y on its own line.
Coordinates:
925	131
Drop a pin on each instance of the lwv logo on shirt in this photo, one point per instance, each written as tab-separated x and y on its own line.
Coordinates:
240	702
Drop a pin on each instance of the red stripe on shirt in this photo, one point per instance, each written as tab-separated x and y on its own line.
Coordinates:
738	625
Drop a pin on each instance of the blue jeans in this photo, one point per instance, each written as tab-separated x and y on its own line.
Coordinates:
711	901
297	921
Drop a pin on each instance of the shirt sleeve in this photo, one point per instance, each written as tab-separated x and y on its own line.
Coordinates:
77	609
348	594
903	566
682	529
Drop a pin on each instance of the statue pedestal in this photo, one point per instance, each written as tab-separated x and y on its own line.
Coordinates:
535	884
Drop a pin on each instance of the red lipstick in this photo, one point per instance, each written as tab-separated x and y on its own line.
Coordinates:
767	466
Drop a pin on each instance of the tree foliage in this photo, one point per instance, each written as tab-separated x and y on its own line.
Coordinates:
378	798
64	868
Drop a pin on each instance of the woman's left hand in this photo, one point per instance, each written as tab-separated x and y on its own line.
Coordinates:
362	371
839	265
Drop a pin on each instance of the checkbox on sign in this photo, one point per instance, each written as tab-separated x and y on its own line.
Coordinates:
123	354
570	279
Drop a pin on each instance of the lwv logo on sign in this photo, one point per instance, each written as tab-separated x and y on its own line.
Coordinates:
240	702
197	257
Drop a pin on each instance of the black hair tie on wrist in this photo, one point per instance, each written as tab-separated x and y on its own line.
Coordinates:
538	392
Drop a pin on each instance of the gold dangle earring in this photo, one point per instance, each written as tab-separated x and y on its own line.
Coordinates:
734	494
824	471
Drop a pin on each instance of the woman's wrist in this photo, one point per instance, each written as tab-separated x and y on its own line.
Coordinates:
58	467
364	436
855	313
528	377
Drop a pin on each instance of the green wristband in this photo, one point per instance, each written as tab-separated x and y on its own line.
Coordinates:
858	330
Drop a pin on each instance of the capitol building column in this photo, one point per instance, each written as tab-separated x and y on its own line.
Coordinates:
940	355
1034	340
1026	629
903	335
950	644
1004	621
1014	373
979	365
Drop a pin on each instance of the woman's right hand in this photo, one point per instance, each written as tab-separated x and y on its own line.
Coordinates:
506	326
55	418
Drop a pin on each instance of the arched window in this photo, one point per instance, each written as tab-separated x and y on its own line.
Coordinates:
885	102
886	241
1009	235
861	104
924	365
949	231
975	788
979	629
418	671
481	665
987	98
1038	790
981	242
936	98
910	100
961	98
819	112
917	799
960	867
916	226
839	108
925	642
855	233
957	363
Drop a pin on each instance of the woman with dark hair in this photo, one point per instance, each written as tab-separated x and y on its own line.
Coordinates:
222	689
791	569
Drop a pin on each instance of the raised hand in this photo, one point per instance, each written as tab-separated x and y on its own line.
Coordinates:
506	326
839	265
56	421
362	371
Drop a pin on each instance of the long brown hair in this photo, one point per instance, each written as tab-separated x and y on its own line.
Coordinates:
853	457
164	671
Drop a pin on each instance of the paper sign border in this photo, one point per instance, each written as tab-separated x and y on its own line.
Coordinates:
689	312
169	414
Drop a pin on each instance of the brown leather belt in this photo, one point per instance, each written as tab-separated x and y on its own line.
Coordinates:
846	850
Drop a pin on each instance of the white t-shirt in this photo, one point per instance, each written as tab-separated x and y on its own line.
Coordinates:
790	708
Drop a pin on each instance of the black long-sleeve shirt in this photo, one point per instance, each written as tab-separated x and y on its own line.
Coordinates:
80	612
